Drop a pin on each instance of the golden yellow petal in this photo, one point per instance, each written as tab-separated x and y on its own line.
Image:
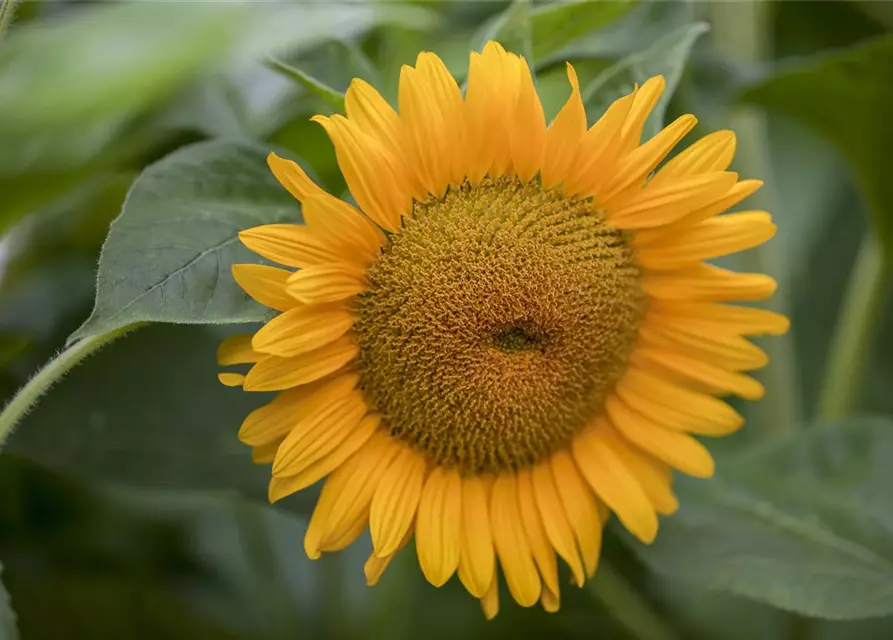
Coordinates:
551	601
661	205
705	316
265	284
265	453
581	508
645	101
564	135
490	602
439	525
375	566
654	476
283	486
291	176
303	329
325	283
275	374
736	194
376	179
728	351
677	407
605	471
236	350
338	224
290	244
477	559
708	283
710	375
676	449
231	379
540	547
711	238
394	506
713	152
528	141
555	520
511	543
319	434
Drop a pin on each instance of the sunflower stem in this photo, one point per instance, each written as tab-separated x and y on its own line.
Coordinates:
741	31
28	395
7	13
627	605
862	306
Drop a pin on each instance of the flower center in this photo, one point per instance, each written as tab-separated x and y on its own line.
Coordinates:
495	323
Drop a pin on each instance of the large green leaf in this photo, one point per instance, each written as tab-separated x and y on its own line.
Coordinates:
847	98
804	523
7	615
666	57
168	256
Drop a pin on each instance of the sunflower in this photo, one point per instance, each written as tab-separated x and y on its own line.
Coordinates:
510	336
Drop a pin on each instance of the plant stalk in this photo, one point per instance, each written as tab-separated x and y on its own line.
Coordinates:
28	395
7	13
862	306
627	606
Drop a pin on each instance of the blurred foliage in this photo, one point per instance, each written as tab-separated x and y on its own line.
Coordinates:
113	520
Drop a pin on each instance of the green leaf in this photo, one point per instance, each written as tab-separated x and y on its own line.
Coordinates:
8	629
847	98
168	256
317	87
666	57
804	523
513	29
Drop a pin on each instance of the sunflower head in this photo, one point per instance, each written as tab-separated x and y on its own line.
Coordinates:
510	336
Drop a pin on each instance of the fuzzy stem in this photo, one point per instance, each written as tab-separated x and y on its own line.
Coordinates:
28	395
7	13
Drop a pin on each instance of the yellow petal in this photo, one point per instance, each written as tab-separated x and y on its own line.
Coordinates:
319	434
713	152
231	379
711	238
705	316
655	477
564	135
540	547
645	101
339	225
736	194
396	500
283	486
375	566
439	525
477	559
289	244
274	373
529	130
264	284
511	543
490	602
291	176
555	520
276	419
677	407
550	601
580	507
710	375
676	449
635	167
303	329
346	495
605	471
599	150
265	453
375	178
707	283
728	351
236	350
325	283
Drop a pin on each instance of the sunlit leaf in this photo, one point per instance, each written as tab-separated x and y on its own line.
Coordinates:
804	523
168	256
847	98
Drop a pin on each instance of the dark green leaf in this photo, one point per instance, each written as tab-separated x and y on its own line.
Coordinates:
168	256
7	615
847	98
666	57
317	87
804	523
